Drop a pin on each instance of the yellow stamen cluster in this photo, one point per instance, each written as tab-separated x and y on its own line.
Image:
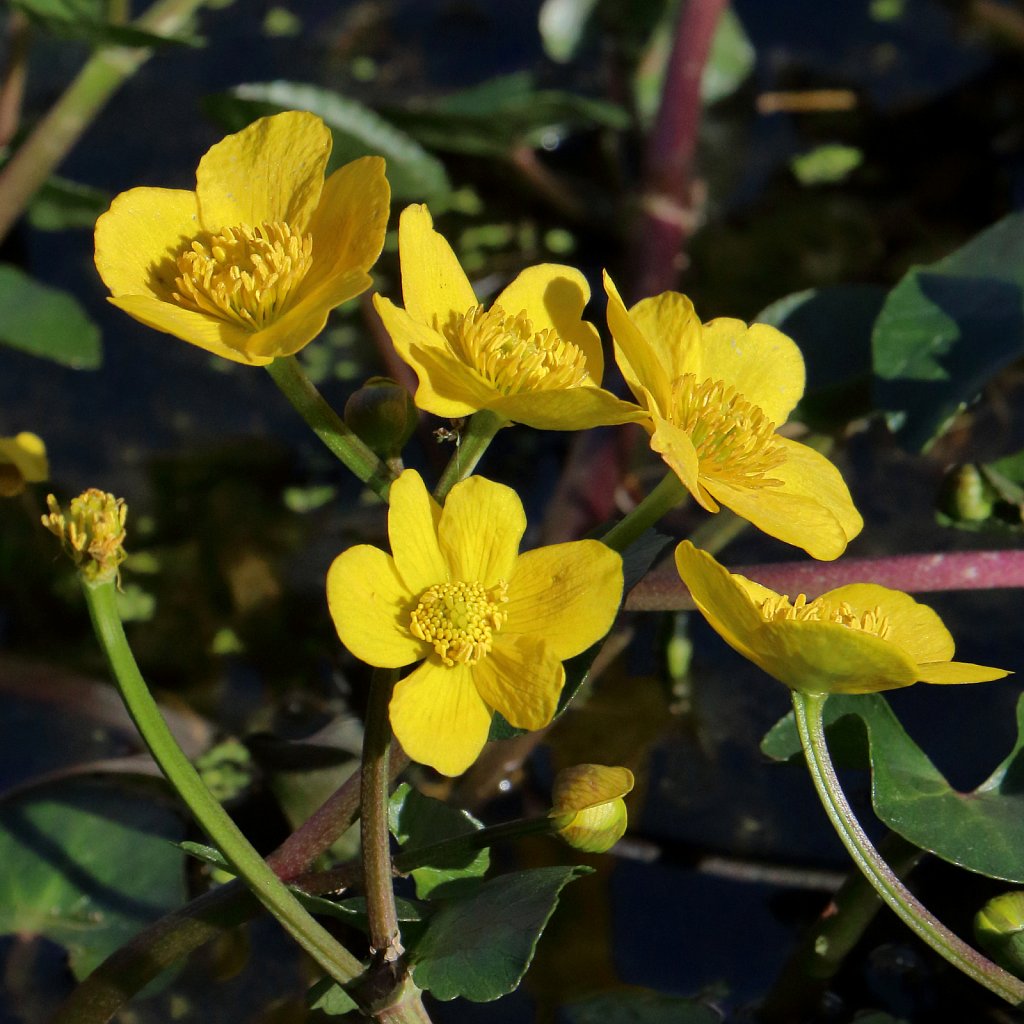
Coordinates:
734	439
459	619
245	275
92	533
512	356
778	608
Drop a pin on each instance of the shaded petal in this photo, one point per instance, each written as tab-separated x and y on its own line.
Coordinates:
809	473
673	330
27	453
946	672
576	408
412	529
273	170
481	526
370	605
439	718
763	364
553	297
587	785
139	238
216	336
637	359
435	288
522	679
567	594
676	448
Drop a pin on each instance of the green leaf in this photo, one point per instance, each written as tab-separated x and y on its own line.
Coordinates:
61	204
416	820
87	865
946	328
638	1006
329	997
730	61
480	946
87	19
982	831
46	322
826	164
357	131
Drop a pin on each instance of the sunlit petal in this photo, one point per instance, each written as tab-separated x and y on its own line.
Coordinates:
673	330
808	473
480	530
567	409
522	679
635	355
412	529
949	672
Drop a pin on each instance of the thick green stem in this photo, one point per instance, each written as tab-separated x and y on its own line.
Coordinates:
289	376
917	917
669	493
212	818
470	447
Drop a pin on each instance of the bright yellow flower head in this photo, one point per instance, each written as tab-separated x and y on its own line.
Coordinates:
588	807
22	461
529	358
715	394
860	638
249	265
490	626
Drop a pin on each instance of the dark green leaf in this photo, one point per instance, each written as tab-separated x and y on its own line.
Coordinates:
638	1006
479	946
946	328
46	322
62	204
207	854
357	131
87	19
353	910
87	865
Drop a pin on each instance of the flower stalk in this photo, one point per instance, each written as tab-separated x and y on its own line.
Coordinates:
666	496
469	449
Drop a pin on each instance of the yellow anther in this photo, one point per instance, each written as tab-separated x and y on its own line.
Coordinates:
778	608
459	619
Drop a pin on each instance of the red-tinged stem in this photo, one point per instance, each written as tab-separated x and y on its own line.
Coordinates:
917	574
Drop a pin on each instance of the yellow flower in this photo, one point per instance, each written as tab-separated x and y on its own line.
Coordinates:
249	265
92	533
588	805
491	626
715	394
22	461
529	358
855	639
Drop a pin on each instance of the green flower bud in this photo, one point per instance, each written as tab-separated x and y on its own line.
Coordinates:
383	415
92	533
966	496
999	927
588	806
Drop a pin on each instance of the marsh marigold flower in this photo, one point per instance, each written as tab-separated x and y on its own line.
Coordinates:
528	358
22	461
490	626
715	395
588	806
860	638
249	265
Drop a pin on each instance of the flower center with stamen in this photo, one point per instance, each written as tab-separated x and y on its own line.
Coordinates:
734	439
778	609
512	356
459	619
244	275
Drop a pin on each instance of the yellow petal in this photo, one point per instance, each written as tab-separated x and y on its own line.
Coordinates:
435	288
412	529
522	679
568	594
567	409
764	365
587	785
634	354
673	331
139	238
480	529
273	170
676	448
553	297
27	453
370	606
808	472
439	718
946	672
216	336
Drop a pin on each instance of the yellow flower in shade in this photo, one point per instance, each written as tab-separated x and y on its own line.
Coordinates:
22	461
860	638
715	395
92	533
249	265
490	626
588	808
528	358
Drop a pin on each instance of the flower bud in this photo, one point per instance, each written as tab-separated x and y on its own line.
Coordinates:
999	927
383	416
22	461
588	806
92	533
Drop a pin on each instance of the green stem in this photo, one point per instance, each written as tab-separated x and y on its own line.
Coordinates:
55	135
212	818
808	711
470	447
288	375
669	493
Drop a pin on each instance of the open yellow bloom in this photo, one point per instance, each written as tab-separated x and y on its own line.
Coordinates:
249	265
490	626
22	461
855	639
529	358
715	394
